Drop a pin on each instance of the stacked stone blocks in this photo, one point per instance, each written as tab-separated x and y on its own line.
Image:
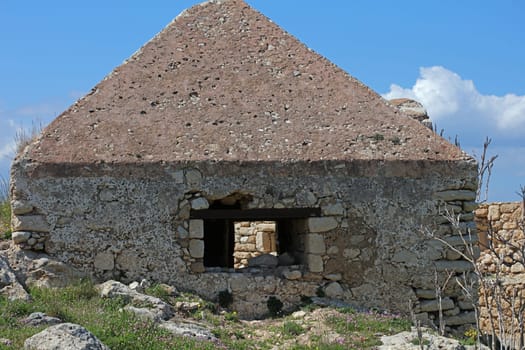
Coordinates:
501	227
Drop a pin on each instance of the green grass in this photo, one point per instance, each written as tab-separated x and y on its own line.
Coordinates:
292	329
360	330
5	219
5	209
103	317
121	330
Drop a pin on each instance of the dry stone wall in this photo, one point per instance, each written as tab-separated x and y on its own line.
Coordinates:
252	239
501	227
365	247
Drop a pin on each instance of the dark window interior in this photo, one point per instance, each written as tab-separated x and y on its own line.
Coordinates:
219	231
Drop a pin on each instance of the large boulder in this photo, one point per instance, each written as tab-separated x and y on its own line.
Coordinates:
144	306
64	336
9	284
37	269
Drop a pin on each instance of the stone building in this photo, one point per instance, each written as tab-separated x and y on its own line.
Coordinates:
223	118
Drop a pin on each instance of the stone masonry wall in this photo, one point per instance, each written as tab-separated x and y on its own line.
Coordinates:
366	247
503	224
253	238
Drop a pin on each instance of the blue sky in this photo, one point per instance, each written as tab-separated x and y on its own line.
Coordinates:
464	60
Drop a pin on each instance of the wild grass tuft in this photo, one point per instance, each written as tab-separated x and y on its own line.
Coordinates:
360	329
24	137
5	209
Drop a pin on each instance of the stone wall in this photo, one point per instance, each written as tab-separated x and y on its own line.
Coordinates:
504	221
501	227
129	222
252	239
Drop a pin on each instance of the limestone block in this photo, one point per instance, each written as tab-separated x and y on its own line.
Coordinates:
333	277
452	255
238	283
196	248
508	207
356	239
198	267
242	255
517	268
245	231
510	225
196	229
333	250
334	290
292	275
314	243
35	223
458	266
31	241
460	240
426	293
469	206
104	261
245	247
494	213
21	207
482	212
183	233
266	227
336	209
455	195
433	305
465	305
315	263
405	256
351	253
199	203
20	236
463	318
263	241
193	178
64	336
127	260
321	224
452	312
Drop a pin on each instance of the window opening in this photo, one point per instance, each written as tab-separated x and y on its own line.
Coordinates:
240	238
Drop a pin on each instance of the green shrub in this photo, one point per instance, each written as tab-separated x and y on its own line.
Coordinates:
231	316
291	328
159	291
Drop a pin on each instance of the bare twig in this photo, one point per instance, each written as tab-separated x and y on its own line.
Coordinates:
484	172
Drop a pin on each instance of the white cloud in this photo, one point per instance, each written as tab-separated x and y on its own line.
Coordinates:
451	99
7	150
457	107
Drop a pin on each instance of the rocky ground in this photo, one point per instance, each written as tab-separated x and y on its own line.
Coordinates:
322	324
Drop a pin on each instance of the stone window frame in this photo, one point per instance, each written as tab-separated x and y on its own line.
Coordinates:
313	226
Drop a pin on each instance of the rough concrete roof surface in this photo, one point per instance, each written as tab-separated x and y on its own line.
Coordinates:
223	82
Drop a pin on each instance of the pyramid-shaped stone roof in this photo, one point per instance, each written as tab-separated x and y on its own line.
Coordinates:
224	83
